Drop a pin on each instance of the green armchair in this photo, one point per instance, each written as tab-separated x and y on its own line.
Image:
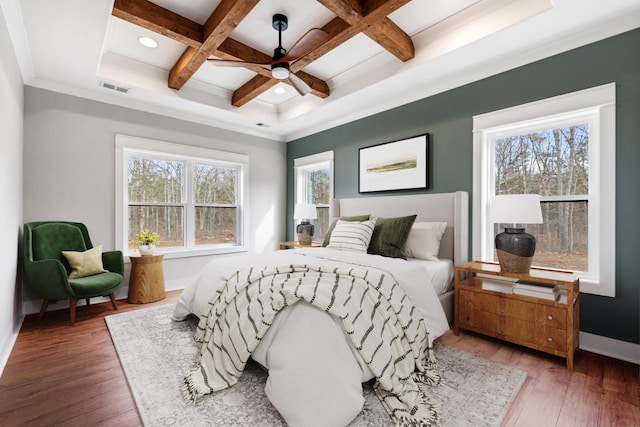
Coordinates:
47	269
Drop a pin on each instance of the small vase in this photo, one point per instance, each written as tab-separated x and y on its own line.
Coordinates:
146	250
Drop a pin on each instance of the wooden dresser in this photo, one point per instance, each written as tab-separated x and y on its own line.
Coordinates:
485	302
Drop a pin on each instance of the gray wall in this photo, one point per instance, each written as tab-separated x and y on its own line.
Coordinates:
69	171
447	117
11	106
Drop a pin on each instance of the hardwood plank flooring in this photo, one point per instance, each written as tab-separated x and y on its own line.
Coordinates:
62	375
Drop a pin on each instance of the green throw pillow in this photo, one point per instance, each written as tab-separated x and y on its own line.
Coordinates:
357	218
390	236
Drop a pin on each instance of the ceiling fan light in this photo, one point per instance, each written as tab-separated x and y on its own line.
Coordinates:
279	72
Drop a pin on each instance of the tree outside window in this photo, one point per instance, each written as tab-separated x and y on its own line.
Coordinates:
215	199
314	184
562	148
192	197
155	199
318	188
553	163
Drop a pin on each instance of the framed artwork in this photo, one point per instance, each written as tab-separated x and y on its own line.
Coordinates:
397	165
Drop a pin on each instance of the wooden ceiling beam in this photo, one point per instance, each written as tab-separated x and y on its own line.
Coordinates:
257	85
391	37
339	32
252	89
224	19
353	17
176	27
370	17
159	20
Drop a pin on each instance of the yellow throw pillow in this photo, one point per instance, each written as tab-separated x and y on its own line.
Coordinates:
85	263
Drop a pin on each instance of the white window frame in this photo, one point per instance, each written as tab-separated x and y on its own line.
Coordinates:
596	105
301	165
130	145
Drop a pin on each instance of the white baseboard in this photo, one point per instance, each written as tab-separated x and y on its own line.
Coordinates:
7	346
610	347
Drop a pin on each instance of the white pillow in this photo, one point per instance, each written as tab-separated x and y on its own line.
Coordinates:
424	240
352	236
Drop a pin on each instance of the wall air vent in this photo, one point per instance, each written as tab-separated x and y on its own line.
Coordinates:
115	87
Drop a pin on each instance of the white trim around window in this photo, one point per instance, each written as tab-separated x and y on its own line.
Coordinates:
126	145
598	104
309	163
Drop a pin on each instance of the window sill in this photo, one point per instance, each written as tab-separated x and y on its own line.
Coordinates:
595	287
189	253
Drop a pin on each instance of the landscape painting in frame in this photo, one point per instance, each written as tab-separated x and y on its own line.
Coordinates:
398	165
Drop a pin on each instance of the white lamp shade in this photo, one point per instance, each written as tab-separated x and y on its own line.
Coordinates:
304	211
516	209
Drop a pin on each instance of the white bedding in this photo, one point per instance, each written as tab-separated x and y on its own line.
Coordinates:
439	273
315	374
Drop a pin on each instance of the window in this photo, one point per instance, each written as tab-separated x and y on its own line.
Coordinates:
563	149
192	197
314	184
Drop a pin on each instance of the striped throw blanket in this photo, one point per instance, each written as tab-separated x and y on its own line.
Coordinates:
378	317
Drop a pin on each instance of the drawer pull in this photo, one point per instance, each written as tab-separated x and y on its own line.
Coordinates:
549	317
550	339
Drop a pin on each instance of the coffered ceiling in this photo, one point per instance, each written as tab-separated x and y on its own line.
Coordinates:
377	54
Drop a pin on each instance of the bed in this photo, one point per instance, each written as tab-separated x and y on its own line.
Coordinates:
316	371
452	208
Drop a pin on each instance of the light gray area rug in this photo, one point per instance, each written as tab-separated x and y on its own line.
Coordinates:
156	353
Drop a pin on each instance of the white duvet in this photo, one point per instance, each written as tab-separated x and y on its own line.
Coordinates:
315	374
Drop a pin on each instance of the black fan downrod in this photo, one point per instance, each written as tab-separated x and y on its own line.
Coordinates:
279	23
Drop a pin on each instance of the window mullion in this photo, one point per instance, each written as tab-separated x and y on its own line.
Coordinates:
189	206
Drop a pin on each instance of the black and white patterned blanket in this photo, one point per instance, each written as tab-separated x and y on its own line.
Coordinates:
381	322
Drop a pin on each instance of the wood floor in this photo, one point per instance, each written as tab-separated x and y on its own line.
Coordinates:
61	375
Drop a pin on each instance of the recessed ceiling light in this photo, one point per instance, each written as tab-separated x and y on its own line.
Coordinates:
147	42
280	90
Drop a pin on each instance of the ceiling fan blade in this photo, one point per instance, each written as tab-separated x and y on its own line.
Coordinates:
230	63
299	84
312	39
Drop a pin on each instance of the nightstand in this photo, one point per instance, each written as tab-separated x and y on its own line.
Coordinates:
146	283
294	244
485	302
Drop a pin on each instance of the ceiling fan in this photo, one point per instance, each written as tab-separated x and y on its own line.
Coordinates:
280	64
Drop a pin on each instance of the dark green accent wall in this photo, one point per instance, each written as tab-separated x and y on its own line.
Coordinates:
447	117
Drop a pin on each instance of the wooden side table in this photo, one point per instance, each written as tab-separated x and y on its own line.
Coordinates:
485	302
296	244
146	283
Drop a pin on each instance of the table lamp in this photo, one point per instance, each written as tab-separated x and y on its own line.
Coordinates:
514	247
304	212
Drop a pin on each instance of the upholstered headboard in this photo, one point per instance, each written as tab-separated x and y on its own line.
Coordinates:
452	208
